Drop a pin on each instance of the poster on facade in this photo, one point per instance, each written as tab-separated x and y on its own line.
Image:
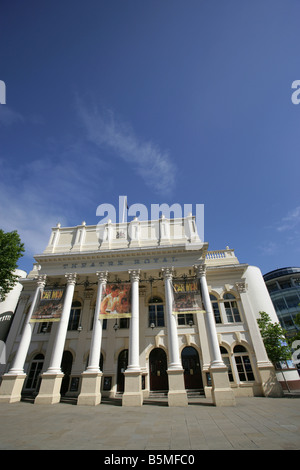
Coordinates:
116	301
187	297
50	306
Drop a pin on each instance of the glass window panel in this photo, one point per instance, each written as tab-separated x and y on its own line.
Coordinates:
228	296
292	301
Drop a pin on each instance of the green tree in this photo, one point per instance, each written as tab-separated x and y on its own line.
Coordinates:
274	339
297	322
11	249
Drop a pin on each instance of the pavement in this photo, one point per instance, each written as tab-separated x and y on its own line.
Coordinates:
254	423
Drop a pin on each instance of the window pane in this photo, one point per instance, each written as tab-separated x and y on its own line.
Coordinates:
151	317
236	313
228	312
228	296
292	301
216	310
160	319
74	319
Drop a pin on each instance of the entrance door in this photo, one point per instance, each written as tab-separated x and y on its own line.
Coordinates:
66	367
158	370
191	366
122	366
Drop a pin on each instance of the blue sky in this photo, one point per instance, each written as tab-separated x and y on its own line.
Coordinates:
165	101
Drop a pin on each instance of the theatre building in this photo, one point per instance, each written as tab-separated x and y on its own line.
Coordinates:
137	308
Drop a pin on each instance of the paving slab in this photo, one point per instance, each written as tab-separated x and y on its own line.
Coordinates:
253	424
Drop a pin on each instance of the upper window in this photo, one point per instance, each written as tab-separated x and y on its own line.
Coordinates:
74	316
216	310
226	360
156	312
185	319
231	308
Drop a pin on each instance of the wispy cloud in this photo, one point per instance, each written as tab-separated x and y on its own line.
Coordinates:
37	194
284	232
152	164
8	116
290	221
268	248
66	179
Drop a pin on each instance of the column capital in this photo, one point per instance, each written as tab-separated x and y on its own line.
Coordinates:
241	286
41	281
134	274
200	269
168	272
71	278
102	276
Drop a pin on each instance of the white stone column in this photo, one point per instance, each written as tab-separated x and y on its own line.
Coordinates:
216	358
222	394
12	382
134	340
270	386
177	395
133	387
51	379
174	358
90	393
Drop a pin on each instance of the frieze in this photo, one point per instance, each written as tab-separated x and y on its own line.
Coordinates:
119	262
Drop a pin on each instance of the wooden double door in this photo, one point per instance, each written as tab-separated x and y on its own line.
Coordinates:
158	370
192	370
191	365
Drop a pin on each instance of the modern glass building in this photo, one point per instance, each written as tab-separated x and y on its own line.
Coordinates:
284	289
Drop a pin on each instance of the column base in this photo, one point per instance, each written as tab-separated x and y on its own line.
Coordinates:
49	393
177	395
222	394
90	389
269	383
133	395
11	388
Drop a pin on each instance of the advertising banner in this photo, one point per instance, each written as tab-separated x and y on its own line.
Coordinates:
116	301
187	297
50	306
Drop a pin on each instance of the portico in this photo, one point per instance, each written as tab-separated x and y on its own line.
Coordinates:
104	351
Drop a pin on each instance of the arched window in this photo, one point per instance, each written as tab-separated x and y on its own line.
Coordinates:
231	308
74	316
226	360
243	364
34	372
156	312
216	310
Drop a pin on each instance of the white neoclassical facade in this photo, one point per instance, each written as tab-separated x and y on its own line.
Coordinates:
216	351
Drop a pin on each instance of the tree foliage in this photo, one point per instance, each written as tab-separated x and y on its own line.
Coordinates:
274	339
11	249
297	322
